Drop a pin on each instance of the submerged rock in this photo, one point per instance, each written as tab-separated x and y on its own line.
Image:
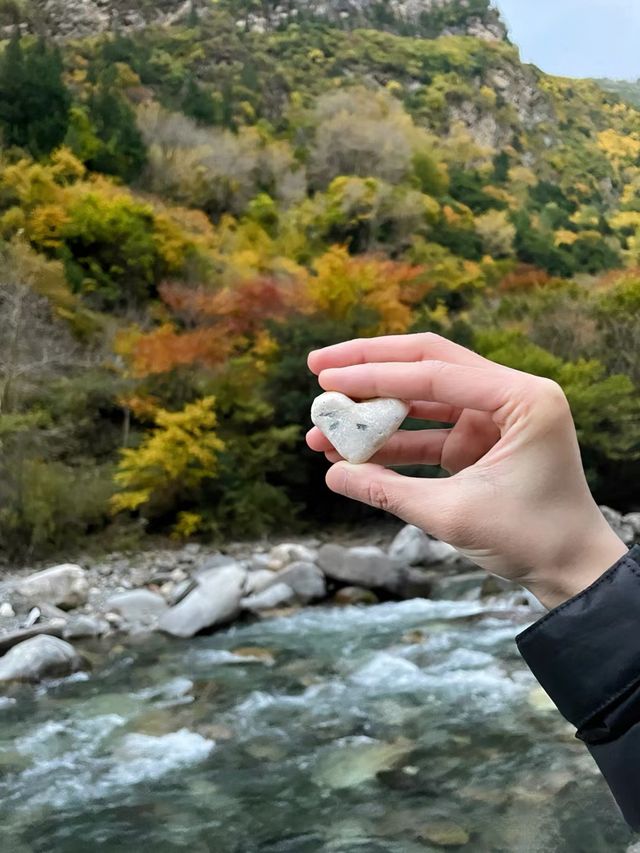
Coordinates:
366	566
215	601
38	658
353	761
444	834
467	587
357	430
65	586
352	595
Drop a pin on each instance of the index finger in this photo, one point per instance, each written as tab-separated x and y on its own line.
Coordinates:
419	347
485	389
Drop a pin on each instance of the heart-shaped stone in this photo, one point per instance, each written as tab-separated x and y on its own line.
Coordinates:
357	430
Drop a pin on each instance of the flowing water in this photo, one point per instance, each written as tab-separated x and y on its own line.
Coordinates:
405	727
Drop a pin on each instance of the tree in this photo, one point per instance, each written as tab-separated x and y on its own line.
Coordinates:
33	346
172	460
34	102
121	150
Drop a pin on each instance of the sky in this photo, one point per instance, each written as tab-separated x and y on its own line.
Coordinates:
577	38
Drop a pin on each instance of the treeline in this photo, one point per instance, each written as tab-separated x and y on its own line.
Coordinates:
185	213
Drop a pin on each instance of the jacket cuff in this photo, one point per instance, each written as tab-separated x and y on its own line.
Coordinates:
580	651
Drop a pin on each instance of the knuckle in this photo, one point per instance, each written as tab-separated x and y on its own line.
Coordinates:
379	497
550	401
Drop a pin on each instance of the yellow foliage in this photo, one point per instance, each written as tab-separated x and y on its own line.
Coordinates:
565	238
343	283
626	219
619	147
178	454
188	524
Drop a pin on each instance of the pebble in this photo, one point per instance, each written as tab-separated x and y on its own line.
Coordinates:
357	430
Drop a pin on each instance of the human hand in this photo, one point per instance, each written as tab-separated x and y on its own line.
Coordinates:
517	503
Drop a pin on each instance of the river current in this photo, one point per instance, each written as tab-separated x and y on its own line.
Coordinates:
404	728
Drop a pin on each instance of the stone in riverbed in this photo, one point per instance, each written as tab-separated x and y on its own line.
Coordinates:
355	595
412	547
623	528
81	627
278	595
259	580
39	657
357	430
467	587
366	566
290	552
215	601
64	586
444	834
139	607
306	580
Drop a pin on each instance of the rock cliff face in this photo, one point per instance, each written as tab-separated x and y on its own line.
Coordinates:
427	18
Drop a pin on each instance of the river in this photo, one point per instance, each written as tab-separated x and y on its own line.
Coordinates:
405	728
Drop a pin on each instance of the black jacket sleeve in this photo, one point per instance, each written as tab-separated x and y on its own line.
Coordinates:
586	655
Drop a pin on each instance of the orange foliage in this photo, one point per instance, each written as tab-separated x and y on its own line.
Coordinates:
165	349
524	277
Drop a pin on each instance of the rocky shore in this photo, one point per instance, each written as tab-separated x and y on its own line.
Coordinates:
47	616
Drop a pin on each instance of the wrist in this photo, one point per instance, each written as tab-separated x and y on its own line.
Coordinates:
577	565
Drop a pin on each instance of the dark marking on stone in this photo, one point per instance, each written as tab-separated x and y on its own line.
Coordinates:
362	426
333	426
328	414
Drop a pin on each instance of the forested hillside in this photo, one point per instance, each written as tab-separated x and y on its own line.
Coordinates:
194	195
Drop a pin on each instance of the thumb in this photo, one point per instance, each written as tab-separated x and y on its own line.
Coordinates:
414	500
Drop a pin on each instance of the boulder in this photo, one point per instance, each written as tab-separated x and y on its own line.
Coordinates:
65	586
38	658
493	585
278	595
619	525
214	601
139	607
466	587
366	566
305	579
290	552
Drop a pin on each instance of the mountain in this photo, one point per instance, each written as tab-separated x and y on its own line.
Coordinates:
196	194
427	18
626	90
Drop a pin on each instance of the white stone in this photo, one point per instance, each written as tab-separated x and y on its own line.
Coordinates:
37	658
278	595
6	610
357	430
65	586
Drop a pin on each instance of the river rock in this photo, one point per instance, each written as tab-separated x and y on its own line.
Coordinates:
139	607
619	525
444	834
306	580
357	430
355	595
278	595
38	658
633	520
412	547
65	586
215	601
290	552
6	610
466	587
82	627
259	580
414	583
366	566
